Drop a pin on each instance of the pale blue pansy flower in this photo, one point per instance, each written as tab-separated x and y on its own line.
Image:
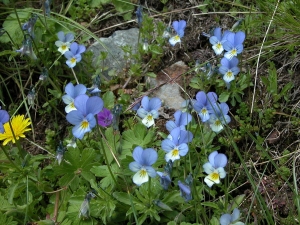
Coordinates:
64	41
231	219
83	118
215	168
176	145
4	118
217	40
74	55
143	164
203	104
179	27
72	92
234	44
219	116
181	120
149	110
229	69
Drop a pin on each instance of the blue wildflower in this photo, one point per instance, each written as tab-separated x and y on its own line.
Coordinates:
179	27
64	41
74	55
142	164
29	26
234	44
60	151
229	69
218	40
85	206
72	92
181	120
215	168
219	118
165	177
27	49
203	104
4	118
139	15
84	117
185	191
47	4
176	145
227	219
149	110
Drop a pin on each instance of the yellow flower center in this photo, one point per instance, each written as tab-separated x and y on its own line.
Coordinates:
84	124
64	47
143	173
215	176
73	60
233	51
19	127
149	117
176	38
218	45
175	152
204	111
218	122
229	74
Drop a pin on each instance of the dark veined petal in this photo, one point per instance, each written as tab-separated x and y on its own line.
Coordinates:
170	125
235	70
94	105
223	69
81	49
149	156
239	48
228	46
184	119
91	119
142	113
220	160
213	40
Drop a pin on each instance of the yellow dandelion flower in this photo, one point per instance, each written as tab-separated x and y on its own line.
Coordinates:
19	126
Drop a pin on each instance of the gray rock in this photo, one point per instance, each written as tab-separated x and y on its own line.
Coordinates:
115	58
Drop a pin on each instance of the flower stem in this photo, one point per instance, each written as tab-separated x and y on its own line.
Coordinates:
75	76
7	156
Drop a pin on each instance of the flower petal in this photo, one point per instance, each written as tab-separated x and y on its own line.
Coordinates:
167	145
80	103
135	166
211	158
140	177
235	214
183	149
137	155
145	103
154	104
222	172
151	172
94	105
208	168
149	156
142	112
174	40
74	117
61	36
220	160
225	219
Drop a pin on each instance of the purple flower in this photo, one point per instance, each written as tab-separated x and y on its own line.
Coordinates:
84	117
227	219
229	69
142	164
203	105
74	55
219	117
176	146
105	117
179	27
215	168
72	93
4	118
64	42
149	110
234	44
181	120
185	191
218	40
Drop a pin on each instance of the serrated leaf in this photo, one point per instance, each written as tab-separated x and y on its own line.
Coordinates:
139	136
108	99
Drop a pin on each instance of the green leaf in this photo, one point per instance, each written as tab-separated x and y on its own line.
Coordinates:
234	203
210	204
224	97
109	99
151	74
4	219
124	198
97	3
12	26
139	136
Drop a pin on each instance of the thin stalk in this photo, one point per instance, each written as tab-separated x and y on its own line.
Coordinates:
75	76
7	156
149	191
